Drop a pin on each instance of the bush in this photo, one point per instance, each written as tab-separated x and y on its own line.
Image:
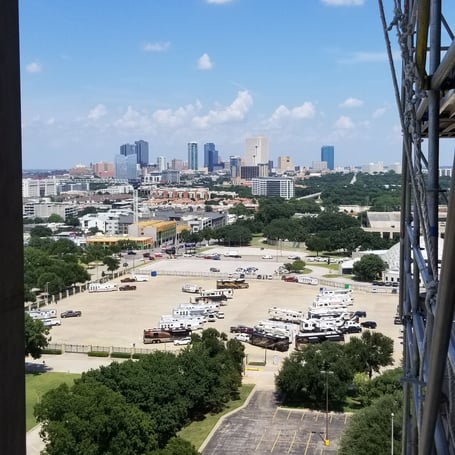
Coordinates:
98	354
139	356
121	355
52	351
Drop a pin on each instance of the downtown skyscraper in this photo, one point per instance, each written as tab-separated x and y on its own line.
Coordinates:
192	156
210	156
328	155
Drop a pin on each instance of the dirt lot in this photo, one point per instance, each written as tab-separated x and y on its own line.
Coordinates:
118	318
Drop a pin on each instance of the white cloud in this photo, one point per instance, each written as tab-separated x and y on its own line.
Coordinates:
370	57
157	47
97	112
235	112
50	121
34	67
343	2
218	2
344	123
204	62
305	111
351	102
169	118
379	112
133	120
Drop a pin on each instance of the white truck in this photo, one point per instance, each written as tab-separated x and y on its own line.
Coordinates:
191	288
232	254
302	279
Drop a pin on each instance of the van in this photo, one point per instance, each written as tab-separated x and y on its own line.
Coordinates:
220	315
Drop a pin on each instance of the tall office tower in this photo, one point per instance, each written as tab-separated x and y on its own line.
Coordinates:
256	151
210	156
127	149
235	163
192	156
142	152
161	163
285	163
328	155
126	167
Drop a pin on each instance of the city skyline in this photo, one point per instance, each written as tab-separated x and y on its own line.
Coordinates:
248	68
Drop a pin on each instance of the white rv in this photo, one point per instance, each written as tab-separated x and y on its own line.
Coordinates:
282	314
171	322
191	288
209	293
302	279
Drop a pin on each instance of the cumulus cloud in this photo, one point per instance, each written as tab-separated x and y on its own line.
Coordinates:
305	111
344	123
177	117
204	62
343	2
351	102
235	112
132	120
34	67
156	47
97	112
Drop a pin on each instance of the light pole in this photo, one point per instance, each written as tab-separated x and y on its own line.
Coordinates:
326	438
47	293
391	437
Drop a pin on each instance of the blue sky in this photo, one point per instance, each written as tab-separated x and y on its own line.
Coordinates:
304	73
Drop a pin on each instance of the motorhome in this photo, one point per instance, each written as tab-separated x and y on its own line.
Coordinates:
277	328
194	310
326	312
303	339
42	314
285	315
268	341
318	325
157	335
331	304
171	322
209	293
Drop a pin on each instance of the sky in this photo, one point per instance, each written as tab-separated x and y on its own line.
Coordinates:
304	73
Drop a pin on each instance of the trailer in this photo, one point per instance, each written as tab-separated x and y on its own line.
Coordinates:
303	279
191	288
305	338
285	315
219	292
170	322
102	287
157	335
236	283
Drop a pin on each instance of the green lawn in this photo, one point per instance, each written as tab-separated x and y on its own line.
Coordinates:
36	385
197	432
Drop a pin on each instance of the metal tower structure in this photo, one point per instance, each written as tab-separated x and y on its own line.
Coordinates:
426	103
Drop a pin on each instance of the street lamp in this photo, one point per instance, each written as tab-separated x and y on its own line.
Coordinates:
391	438
326	438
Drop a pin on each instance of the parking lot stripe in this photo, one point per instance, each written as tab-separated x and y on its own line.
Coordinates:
289	415
275	413
303	416
259	443
292	441
276	440
307	443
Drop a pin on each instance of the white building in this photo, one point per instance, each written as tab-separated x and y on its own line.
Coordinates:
372	168
273	186
256	151
39	187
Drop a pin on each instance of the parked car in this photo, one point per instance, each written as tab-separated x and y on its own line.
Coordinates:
369	324
360	314
127	287
182	341
51	322
267	256
214	269
397	320
294	257
220	315
128	279
71	314
211	318
244	337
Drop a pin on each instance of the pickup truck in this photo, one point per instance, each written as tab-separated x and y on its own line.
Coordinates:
127	287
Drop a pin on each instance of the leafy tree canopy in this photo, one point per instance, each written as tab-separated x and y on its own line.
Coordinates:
369	267
36	336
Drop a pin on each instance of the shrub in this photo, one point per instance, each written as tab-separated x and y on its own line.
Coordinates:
98	354
121	355
52	351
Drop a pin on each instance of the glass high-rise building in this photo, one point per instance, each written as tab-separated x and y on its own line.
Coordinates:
127	149
210	156
328	155
192	156
142	152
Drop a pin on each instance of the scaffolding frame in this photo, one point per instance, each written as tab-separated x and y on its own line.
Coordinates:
426	104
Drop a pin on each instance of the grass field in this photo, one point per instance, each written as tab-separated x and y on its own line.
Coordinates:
197	432
36	385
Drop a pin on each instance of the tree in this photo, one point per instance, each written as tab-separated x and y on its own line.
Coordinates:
370	352
301	379
370	430
369	267
111	263
316	243
90	418
40	231
55	218
36	336
177	446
